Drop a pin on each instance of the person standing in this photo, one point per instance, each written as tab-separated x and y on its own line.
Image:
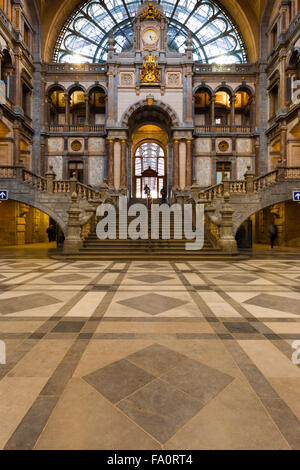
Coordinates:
163	193
273	231
147	190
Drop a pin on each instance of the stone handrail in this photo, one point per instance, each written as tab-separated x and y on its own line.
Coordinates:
8	171
86	192
38	182
268	179
220	128
212	192
61	186
58	128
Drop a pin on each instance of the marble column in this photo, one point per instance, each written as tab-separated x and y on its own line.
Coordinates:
283	146
110	163
67	101
110	95
182	164
117	164
175	164
18	93
232	110
189	164
283	80
213	101
189	96
123	179
16	157
87	109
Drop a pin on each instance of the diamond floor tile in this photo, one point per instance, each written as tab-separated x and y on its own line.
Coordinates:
153	304
26	302
118	380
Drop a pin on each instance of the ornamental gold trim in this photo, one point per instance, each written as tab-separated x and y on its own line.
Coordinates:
150	13
150	73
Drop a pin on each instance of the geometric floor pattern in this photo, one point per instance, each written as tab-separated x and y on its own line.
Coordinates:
146	355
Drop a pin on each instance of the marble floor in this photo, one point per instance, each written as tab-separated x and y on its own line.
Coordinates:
144	355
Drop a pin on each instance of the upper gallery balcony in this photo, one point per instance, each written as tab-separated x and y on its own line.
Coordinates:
98	129
223	129
224	111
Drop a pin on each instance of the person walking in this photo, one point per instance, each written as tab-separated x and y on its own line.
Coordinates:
273	231
51	233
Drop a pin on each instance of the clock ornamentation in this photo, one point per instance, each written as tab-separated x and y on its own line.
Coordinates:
150	73
150	13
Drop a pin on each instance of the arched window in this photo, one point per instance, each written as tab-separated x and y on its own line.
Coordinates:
216	38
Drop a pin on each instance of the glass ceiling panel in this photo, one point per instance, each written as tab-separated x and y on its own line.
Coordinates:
216	39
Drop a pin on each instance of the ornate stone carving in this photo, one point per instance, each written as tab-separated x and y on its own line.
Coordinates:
126	79
174	79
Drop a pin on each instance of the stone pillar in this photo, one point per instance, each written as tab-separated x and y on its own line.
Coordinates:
189	164
73	184
117	164
213	102
249	176
232	110
182	164
18	87
189	96
110	163
252	113
73	240
16	157
175	164
283	80
47	107
67	101
227	242
123	179
50	176
110	94
283	146
87	108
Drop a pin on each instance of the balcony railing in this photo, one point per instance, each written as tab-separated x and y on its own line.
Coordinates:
223	129
92	129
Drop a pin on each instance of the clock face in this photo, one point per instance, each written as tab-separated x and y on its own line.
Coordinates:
150	37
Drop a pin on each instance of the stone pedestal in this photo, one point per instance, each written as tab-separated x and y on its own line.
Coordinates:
73	240
227	242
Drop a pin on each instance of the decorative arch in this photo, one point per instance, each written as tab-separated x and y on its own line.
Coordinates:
204	88
55	87
26	199
156	104
75	87
96	86
280	192
245	88
225	88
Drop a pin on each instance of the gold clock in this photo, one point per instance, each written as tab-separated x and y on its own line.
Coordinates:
150	37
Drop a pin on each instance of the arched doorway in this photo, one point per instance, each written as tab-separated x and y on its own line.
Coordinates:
150	168
149	160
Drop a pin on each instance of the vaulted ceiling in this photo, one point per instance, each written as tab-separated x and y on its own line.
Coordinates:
247	15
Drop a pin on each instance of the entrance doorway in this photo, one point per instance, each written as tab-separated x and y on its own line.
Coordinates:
223	171
149	169
77	168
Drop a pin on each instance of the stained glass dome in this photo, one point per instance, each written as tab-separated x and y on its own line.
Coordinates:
216	38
